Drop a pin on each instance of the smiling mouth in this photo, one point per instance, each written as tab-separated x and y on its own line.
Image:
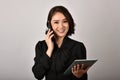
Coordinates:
61	31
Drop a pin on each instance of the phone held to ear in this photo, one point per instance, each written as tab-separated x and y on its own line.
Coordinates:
49	27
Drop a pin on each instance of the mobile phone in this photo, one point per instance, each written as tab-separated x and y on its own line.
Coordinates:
50	27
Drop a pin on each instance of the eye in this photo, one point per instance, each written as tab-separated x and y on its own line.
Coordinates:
56	22
65	21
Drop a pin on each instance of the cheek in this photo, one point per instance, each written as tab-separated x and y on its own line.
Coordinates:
54	27
67	26
67	29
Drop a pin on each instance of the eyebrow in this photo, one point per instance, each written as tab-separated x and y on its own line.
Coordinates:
55	20
58	20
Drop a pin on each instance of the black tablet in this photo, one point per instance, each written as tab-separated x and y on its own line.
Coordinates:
87	63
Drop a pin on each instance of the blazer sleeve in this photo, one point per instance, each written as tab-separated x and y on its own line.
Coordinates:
41	61
80	52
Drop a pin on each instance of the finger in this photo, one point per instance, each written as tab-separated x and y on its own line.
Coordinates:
78	67
74	68
49	33
51	36
82	66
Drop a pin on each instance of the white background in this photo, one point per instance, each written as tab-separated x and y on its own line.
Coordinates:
23	24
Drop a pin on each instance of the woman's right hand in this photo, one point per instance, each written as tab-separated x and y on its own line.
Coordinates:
49	42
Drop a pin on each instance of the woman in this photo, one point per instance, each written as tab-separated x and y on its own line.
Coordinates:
55	54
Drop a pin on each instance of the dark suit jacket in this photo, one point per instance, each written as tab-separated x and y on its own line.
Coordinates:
54	67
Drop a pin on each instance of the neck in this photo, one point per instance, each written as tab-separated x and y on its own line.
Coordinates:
59	41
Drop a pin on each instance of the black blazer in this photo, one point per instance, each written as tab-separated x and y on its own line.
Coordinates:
54	67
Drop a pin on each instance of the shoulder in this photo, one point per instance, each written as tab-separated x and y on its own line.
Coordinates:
40	43
76	43
78	46
79	49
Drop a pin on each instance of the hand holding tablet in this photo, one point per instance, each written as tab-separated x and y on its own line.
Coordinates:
82	63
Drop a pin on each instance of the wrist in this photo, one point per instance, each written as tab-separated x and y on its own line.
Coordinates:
49	52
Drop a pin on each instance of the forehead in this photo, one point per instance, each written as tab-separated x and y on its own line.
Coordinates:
58	15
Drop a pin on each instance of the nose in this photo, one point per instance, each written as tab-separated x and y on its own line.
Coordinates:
61	25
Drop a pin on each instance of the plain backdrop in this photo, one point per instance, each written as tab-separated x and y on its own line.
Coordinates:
23	24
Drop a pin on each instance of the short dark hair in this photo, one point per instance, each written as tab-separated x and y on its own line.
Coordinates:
66	13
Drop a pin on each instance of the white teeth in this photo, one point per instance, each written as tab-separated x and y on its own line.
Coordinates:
61	31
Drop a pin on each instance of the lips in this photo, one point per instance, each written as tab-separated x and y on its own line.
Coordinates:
61	31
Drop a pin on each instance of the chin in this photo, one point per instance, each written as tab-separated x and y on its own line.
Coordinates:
61	35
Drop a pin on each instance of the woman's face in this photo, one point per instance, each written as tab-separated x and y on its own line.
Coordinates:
59	24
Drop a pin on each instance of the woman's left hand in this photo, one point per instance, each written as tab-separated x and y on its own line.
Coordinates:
78	70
